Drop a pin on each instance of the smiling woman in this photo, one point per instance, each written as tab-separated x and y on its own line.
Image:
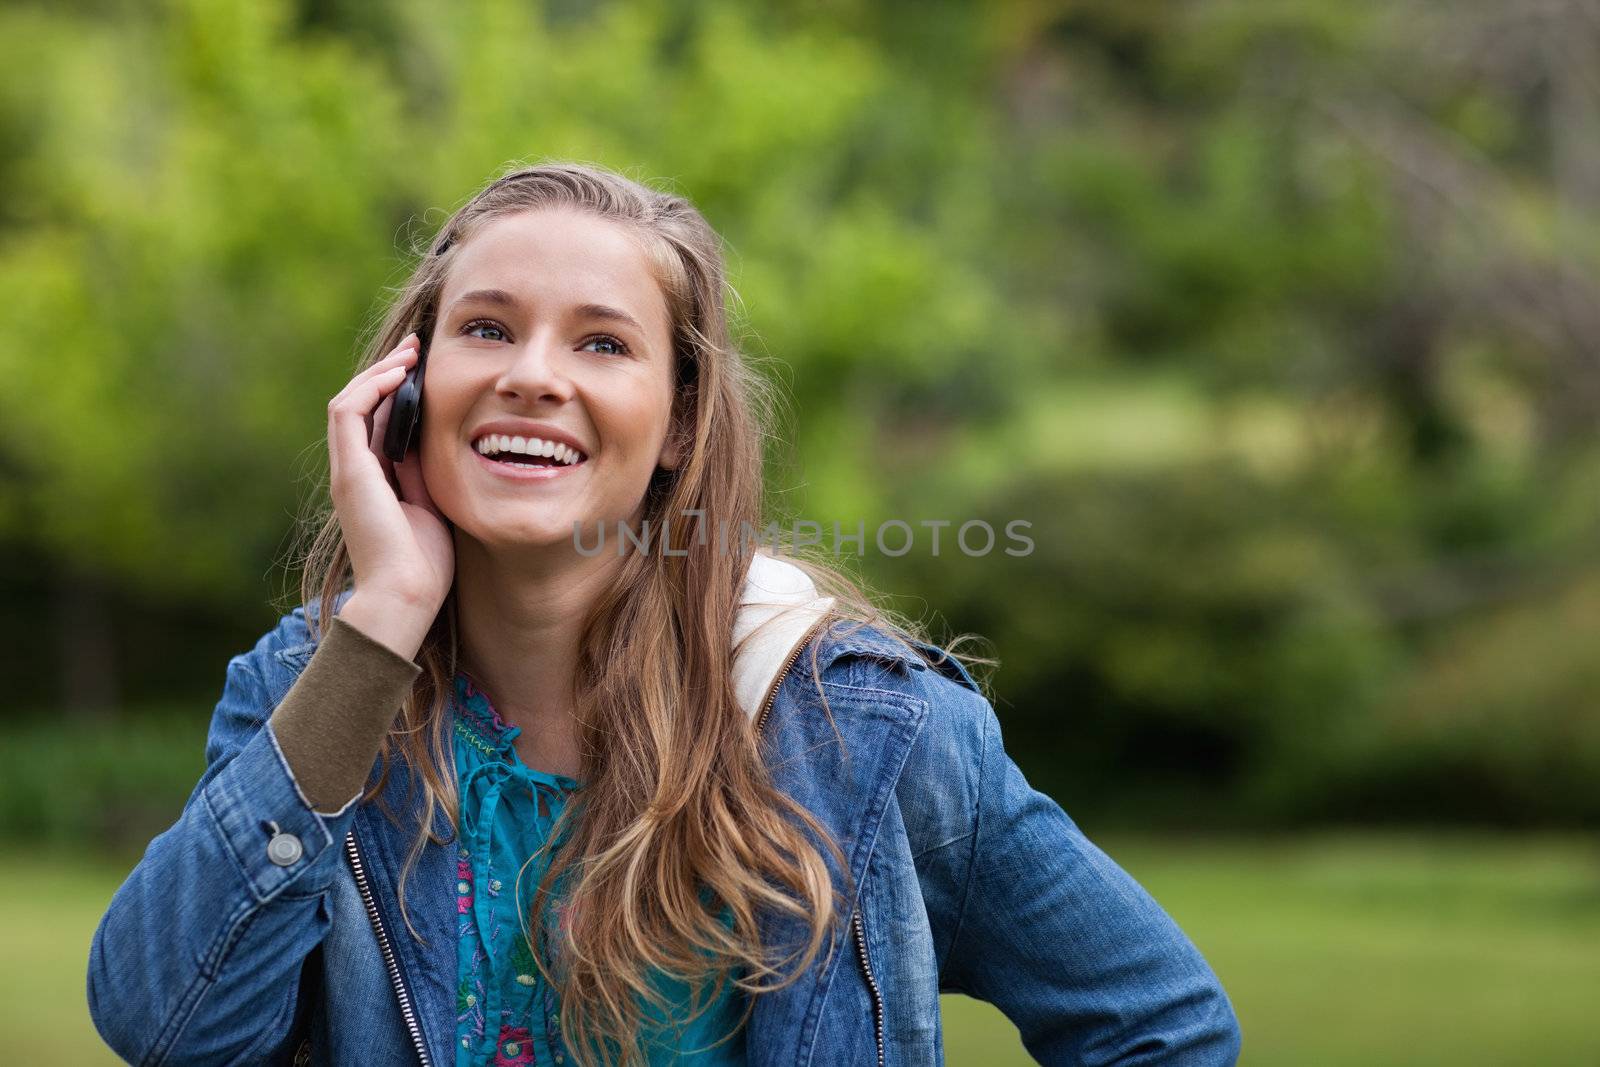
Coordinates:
538	369
486	798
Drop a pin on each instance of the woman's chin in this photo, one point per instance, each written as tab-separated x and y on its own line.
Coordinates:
511	535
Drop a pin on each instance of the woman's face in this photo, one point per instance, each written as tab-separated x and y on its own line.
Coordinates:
550	326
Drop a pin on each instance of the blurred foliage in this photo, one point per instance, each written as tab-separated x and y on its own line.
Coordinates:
1277	321
111	789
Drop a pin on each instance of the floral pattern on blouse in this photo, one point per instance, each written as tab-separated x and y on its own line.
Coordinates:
506	1013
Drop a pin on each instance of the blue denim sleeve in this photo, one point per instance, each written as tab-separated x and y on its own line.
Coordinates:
198	957
1067	945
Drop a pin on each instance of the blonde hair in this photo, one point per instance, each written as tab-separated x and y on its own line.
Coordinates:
676	795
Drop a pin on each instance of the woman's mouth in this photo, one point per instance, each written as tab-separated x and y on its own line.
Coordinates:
527	459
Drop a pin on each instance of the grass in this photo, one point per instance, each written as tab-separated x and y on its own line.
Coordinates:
1415	950
1336	949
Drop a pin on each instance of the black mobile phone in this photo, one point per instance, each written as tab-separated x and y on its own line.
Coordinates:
405	417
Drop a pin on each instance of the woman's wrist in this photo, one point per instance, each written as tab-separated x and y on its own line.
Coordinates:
399	623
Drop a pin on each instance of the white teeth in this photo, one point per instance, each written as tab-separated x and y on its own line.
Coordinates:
493	443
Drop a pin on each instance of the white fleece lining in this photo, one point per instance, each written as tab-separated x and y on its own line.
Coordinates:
777	607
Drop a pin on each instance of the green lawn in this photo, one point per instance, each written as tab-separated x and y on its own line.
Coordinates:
1335	949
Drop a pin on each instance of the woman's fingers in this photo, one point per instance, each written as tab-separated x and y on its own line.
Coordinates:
402	355
348	413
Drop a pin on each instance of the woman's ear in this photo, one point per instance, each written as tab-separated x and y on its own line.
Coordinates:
674	447
671	453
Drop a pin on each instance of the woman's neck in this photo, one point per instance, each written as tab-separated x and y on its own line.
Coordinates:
517	635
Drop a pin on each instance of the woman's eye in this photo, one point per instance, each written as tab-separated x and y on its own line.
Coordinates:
476	324
607	339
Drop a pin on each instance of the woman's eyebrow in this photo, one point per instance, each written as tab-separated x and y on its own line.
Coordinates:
501	298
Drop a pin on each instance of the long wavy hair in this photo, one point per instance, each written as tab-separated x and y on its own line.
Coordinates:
679	822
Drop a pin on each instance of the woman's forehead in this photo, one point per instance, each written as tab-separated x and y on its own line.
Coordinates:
556	258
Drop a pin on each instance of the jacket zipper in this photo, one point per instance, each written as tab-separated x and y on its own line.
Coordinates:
389	960
855	922
872	983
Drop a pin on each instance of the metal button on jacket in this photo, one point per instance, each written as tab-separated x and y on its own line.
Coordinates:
284	848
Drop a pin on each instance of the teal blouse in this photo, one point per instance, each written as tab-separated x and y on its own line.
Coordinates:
506	1013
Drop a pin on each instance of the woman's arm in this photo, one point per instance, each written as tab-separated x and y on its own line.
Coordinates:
197	960
1063	941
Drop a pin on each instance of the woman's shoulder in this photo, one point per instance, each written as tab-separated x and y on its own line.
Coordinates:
294	637
282	651
937	785
258	679
844	641
874	656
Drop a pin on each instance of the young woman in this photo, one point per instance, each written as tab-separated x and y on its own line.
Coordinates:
492	796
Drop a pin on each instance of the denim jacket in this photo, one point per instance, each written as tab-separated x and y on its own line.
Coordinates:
257	930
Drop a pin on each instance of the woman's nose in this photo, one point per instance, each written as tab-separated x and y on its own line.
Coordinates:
537	371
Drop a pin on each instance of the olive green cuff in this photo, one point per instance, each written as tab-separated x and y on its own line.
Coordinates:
332	721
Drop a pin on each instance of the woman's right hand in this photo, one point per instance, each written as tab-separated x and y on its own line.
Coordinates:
401	547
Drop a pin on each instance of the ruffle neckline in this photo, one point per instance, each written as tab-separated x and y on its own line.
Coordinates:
476	713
